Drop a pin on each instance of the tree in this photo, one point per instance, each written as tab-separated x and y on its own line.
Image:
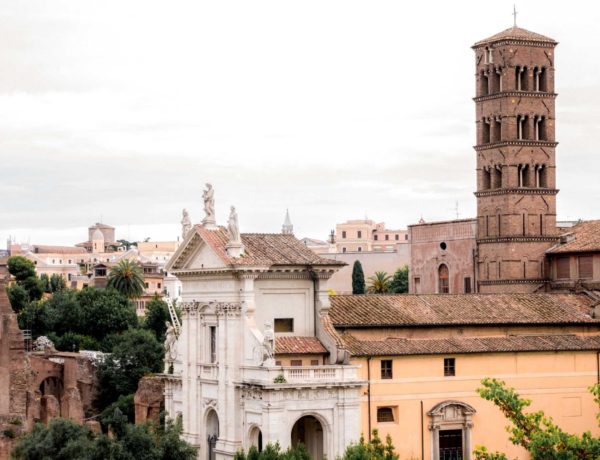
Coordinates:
127	278
157	314
28	287
358	278
534	431
45	283
399	284
379	283
135	353
65	440
274	452
57	283
372	450
104	311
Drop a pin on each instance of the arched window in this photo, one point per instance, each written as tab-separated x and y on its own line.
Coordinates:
443	277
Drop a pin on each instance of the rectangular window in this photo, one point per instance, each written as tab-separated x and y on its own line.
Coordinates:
387	237
314	362
467	285
375	237
296	362
397	237
417	285
586	266
386	369
449	367
146	285
213	344
563	267
359	234
158	285
385	414
284	325
278	363
406	236
344	234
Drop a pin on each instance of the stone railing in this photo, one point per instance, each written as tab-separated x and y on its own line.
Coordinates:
300	374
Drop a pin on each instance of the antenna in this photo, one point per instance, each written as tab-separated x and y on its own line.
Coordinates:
455	209
515	15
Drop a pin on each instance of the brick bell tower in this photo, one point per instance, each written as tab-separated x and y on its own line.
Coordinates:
516	167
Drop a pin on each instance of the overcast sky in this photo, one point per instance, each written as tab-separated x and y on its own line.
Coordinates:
123	110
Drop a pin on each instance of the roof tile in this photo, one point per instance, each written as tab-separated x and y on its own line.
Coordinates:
296	345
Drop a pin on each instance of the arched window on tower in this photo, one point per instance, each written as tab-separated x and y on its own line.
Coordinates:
497	176
485	126
523	127
444	279
540	128
521	78
496	129
486	55
523	179
539	79
496	80
487	178
483	84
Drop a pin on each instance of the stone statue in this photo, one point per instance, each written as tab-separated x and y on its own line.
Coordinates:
209	204
234	227
171	342
186	224
268	344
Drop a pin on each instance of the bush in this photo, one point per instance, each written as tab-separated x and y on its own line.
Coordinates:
72	341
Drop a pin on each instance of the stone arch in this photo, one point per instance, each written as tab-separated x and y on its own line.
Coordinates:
255	437
305	430
450	425
211	422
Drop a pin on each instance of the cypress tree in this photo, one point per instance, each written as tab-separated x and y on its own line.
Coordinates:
358	279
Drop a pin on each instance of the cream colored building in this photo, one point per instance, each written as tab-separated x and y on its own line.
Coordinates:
366	235
424	357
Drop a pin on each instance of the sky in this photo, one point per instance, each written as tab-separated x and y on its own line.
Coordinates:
121	111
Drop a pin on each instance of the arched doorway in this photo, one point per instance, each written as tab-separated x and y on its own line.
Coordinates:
309	431
256	438
212	433
450	425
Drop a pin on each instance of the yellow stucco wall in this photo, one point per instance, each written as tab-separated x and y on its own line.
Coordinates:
556	383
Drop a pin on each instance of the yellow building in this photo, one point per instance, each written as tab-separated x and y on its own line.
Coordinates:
424	356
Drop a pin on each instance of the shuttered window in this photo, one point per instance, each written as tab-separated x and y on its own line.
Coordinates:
586	266
563	268
385	414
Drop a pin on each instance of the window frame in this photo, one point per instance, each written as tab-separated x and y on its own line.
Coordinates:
283	321
449	367
389	411
386	372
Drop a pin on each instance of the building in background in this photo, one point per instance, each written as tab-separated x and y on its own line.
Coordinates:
366	235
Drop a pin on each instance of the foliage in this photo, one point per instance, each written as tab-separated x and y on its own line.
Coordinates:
64	440
27	287
535	431
399	283
71	341
157	314
135	353
274	452
379	283
45	281
372	450
280	379
358	278
57	283
127	278
125	406
21	268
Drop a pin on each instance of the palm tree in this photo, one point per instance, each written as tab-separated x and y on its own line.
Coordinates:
127	278
379	283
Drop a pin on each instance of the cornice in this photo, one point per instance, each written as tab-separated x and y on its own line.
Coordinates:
517	239
535	94
516	191
529	281
515	41
515	143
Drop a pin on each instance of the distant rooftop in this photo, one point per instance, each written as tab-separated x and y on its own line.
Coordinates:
518	34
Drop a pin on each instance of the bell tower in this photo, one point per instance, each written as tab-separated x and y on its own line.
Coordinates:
516	167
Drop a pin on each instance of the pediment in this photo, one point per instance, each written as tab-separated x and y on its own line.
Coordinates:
195	254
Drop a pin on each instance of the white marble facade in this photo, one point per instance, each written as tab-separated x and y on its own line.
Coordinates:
223	381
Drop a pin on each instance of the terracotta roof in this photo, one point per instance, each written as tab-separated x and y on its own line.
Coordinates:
43	249
517	33
295	345
465	309
263	249
403	346
583	237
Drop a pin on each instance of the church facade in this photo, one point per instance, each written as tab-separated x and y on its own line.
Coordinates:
255	361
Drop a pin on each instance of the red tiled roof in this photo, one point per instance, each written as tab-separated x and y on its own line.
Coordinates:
295	345
583	237
44	249
465	309
263	249
403	346
516	33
